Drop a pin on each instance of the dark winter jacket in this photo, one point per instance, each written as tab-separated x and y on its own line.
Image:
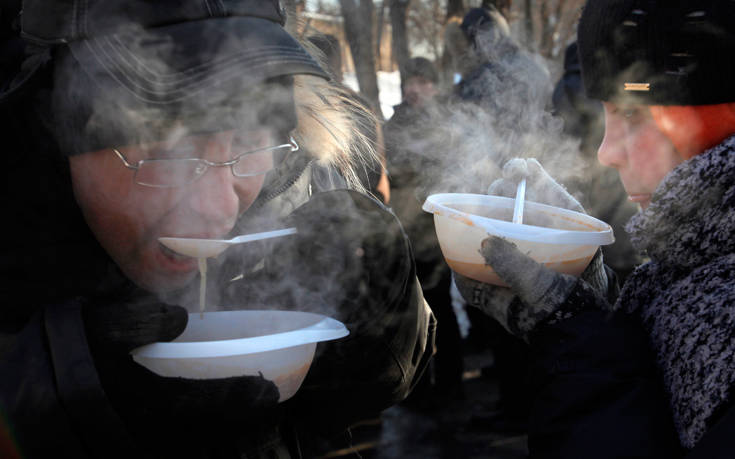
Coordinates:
52	400
411	169
654	378
508	87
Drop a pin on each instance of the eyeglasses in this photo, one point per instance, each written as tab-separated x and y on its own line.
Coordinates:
174	172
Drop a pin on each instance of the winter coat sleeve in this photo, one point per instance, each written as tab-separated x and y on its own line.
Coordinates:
596	392
50	394
374	288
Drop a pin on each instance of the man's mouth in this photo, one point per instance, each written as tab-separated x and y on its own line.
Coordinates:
173	262
639	197
175	256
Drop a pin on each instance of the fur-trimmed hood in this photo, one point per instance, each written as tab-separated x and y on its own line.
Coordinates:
330	126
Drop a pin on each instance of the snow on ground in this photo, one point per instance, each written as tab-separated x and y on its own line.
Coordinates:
389	85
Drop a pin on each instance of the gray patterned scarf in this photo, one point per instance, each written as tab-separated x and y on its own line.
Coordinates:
686	295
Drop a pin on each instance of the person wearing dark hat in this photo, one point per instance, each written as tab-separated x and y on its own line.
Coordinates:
647	371
421	81
407	139
129	121
498	74
512	87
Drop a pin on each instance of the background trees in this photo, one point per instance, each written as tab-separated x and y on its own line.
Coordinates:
381	35
358	17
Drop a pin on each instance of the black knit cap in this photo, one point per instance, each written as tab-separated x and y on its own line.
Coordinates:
665	52
478	19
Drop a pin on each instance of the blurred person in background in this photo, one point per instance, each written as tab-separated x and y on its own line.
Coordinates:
410	167
647	371
373	174
124	123
498	74
598	187
510	85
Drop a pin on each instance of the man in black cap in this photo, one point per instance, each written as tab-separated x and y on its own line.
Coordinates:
130	121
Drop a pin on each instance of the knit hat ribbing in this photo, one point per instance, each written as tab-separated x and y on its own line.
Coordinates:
665	52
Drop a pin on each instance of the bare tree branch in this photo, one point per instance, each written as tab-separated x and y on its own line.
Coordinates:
528	23
399	42
358	23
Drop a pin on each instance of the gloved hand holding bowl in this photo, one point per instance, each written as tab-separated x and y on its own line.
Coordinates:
520	273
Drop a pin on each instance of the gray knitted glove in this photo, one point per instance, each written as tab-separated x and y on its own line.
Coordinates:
540	186
536	293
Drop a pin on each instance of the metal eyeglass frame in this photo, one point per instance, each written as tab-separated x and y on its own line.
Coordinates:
206	163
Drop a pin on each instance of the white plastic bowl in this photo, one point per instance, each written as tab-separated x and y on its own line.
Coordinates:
562	239
278	344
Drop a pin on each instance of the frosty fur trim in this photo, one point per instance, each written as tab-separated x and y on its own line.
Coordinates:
329	126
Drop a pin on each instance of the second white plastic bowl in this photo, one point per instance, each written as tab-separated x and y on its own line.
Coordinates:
562	239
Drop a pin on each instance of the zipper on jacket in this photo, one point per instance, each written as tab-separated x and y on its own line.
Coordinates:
274	194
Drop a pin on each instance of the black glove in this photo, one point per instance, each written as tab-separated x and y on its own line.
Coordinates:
141	396
114	328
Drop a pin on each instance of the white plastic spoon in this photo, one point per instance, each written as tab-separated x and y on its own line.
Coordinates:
520	199
207	248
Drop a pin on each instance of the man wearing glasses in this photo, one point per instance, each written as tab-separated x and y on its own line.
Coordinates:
127	121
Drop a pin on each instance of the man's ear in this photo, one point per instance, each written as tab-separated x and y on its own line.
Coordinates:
693	129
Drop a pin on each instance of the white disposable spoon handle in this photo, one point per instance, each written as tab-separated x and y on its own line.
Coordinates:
263	235
520	199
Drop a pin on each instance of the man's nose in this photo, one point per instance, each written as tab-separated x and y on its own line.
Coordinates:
612	152
213	197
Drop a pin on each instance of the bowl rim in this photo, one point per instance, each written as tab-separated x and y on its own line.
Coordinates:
437	204
323	329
